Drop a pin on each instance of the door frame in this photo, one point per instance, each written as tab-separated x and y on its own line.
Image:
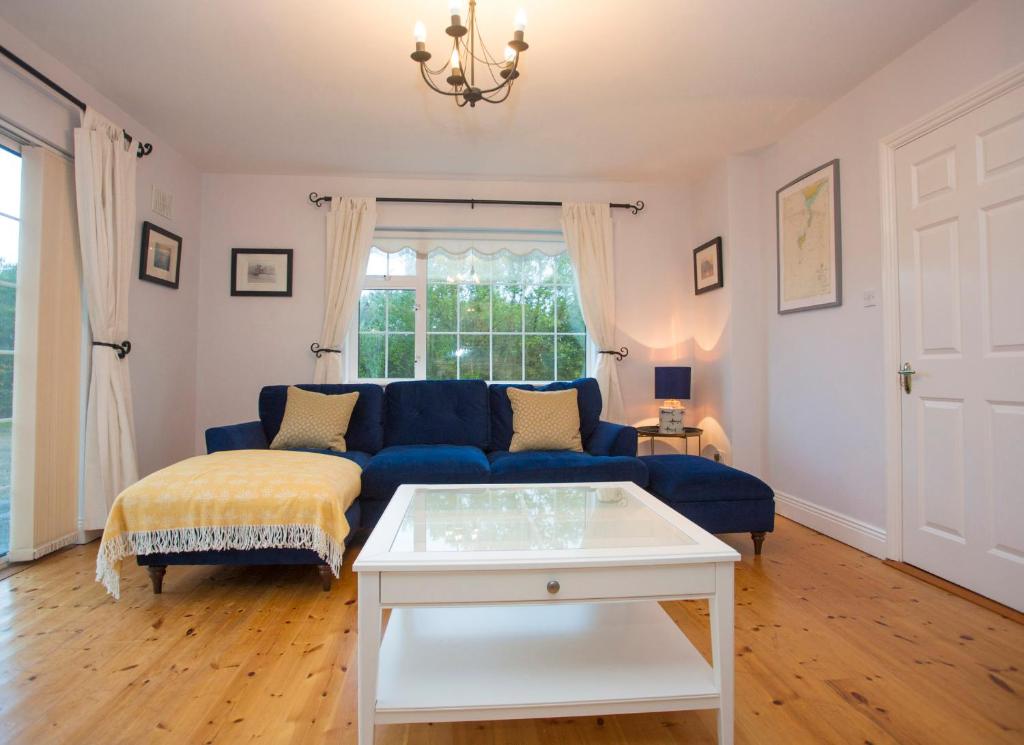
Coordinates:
887	147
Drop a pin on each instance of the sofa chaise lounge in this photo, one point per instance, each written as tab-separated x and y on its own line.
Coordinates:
457	431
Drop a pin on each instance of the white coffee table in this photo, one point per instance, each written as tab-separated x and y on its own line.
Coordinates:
538	600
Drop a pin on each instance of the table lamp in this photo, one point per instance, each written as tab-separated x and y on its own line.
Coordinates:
671	384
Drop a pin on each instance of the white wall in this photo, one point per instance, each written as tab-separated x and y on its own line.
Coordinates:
162	326
246	343
822	371
729	353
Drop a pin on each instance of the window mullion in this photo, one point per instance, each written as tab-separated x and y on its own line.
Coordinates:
458	333
522	330
554	341
420	328
490	332
387	332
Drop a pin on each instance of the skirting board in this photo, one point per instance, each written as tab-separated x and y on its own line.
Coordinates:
849	530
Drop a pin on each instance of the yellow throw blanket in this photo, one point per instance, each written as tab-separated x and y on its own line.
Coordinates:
238	499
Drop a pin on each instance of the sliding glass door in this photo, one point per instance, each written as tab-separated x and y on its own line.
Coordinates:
10	213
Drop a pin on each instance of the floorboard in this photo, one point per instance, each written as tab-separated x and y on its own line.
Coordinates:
832	647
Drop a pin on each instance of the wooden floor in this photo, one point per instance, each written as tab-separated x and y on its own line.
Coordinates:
832	647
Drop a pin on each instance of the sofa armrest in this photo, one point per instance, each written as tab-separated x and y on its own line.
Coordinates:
247	436
612	439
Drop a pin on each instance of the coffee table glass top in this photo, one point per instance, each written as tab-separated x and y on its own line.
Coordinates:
527	518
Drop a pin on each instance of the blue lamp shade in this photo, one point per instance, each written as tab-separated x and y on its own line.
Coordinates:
671	382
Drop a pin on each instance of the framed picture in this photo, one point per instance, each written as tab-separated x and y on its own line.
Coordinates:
809	247
707	266
160	261
261	272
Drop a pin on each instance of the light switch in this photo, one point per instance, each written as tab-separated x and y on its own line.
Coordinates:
870	297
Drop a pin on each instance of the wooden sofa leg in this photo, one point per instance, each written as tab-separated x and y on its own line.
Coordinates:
156	576
325	577
758	536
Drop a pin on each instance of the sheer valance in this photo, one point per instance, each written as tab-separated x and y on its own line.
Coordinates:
550	244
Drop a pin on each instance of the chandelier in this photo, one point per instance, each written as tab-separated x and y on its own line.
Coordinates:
459	73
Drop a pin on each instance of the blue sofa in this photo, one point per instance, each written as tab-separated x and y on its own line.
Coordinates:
459	432
426	431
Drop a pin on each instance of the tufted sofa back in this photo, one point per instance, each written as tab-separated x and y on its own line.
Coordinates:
437	412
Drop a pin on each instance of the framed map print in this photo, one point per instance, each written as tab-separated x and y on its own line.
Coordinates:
809	241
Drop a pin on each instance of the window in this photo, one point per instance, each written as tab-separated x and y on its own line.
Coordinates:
10	218
509	314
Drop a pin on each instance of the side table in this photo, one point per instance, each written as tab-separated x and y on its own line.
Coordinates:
652	431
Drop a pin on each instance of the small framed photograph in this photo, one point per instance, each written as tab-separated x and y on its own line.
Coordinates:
261	272
707	266
809	248
160	261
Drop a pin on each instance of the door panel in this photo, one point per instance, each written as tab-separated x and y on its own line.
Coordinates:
940	458
938	276
1002	255
960	212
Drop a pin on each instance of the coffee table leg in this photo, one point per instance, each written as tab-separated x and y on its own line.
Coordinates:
722	647
369	652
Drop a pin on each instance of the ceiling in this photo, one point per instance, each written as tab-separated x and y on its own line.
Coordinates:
653	89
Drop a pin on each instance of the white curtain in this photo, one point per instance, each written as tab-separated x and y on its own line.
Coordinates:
350	225
105	186
588	236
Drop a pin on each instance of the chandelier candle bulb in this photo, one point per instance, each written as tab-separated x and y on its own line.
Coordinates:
520	21
419	32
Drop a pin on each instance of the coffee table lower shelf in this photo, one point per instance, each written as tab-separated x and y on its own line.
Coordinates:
528	661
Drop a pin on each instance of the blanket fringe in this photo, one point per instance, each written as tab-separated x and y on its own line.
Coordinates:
220	538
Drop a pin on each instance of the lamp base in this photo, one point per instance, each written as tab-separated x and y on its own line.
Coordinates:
670	418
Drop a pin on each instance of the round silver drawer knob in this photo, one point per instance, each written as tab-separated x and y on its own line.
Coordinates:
553	586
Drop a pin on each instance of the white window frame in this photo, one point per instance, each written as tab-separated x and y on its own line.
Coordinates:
12	147
419	284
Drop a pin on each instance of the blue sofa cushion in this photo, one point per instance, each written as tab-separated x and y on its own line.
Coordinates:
690	478
588	397
358	457
422	464
365	428
437	412
562	466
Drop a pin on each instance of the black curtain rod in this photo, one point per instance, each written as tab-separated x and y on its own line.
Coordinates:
144	148
317	200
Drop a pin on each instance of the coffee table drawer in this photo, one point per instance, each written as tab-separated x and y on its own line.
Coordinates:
484	586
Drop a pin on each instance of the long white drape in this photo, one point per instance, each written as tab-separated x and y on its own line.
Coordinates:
105	186
350	225
588	236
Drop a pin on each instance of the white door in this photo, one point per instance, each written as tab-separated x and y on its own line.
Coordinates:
960	211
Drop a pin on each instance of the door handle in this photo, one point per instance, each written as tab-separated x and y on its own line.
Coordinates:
906	372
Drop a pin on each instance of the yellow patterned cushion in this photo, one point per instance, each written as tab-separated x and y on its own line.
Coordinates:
545	420
315	420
